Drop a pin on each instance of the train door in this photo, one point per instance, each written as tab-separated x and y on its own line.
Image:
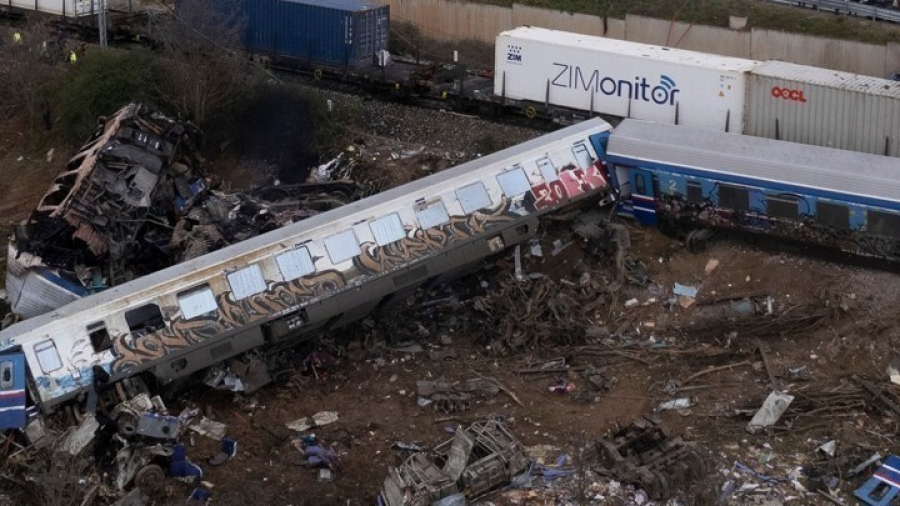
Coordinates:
644	190
12	391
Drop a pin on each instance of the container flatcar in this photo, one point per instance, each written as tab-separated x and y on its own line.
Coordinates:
823	107
620	78
334	34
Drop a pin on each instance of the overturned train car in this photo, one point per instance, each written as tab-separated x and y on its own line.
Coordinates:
313	275
111	206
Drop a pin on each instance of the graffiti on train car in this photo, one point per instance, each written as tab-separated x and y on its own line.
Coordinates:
279	298
420	243
572	183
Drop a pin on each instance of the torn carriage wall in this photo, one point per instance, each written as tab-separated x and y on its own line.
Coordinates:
113	203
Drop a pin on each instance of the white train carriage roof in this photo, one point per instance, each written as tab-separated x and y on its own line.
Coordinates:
754	158
165	281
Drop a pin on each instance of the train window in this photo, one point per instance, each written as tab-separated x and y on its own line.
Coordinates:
246	282
640	184
144	319
881	223
783	206
99	337
514	182
582	155
547	170
197	301
432	214
387	229
473	197
734	198
295	263
47	356
342	247
832	215
6	375
694	192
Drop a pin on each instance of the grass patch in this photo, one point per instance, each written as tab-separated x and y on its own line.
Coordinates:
759	14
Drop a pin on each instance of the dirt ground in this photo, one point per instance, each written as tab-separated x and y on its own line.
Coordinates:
657	347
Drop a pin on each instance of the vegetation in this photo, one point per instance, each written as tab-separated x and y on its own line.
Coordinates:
759	14
100	84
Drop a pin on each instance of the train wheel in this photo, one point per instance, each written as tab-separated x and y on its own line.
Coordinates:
150	478
697	240
530	112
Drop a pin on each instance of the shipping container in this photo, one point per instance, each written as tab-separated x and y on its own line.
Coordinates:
67	8
336	33
824	107
620	78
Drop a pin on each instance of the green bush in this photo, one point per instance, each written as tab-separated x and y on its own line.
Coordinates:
100	84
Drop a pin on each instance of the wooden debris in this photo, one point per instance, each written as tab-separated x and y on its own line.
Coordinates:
704	372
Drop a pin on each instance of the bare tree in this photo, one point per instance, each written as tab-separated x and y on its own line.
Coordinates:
202	66
32	64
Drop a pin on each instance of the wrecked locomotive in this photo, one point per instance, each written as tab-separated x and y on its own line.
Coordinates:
313	275
689	181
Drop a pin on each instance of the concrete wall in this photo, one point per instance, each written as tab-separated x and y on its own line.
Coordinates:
446	20
452	20
687	36
834	54
558	20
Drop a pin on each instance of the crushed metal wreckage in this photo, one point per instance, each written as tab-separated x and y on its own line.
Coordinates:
479	458
135	199
644	454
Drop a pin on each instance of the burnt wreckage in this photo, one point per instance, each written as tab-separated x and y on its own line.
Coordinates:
106	217
133	200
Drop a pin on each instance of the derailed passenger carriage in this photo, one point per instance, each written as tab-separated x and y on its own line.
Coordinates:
313	275
687	179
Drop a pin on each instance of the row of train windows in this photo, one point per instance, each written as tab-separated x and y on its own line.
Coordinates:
788	207
293	264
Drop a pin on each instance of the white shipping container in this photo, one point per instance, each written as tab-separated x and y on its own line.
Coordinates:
621	78
824	107
74	8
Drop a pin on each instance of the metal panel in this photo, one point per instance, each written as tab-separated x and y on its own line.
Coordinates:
12	391
621	78
824	107
341	33
74	8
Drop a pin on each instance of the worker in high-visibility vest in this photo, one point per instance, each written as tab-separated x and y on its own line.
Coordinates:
73	58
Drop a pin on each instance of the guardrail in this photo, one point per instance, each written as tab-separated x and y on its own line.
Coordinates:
846	7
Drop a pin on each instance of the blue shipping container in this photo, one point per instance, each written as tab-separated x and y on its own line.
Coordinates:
336	33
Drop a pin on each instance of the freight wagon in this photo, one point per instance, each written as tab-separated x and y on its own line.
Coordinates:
314	275
620	78
565	76
823	107
335	35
